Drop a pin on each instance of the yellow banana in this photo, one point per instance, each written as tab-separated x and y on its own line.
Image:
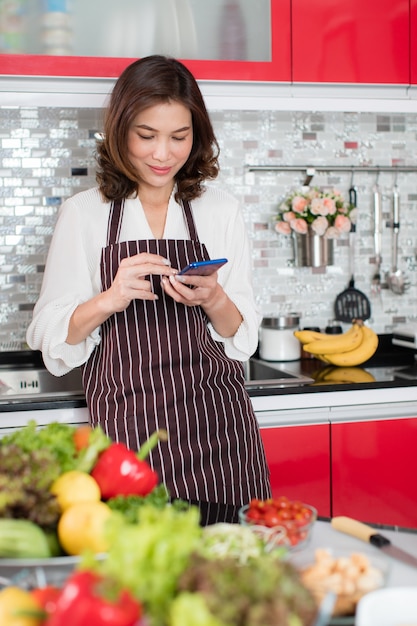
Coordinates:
307	336
347	375
360	354
336	344
320	374
320	357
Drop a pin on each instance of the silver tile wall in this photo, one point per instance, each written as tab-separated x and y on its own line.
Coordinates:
47	154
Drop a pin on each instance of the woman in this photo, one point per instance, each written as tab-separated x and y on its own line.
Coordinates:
159	350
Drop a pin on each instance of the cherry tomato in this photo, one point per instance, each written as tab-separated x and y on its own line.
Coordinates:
254	515
272	519
293	515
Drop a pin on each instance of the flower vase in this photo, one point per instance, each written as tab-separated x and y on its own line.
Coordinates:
312	250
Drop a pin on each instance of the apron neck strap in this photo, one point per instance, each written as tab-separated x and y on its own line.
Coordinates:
116	216
186	207
115	221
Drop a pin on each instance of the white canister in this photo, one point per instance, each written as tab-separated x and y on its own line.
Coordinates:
276	338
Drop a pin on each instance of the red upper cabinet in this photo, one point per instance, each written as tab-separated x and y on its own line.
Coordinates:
218	40
413	41
351	41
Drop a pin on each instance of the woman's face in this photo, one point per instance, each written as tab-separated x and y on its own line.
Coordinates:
159	143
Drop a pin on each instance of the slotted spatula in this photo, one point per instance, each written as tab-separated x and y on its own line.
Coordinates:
352	303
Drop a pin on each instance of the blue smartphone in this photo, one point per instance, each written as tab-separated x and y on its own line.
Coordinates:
202	268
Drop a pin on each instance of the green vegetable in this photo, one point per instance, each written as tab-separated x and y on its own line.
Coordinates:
21	538
190	609
129	506
55	547
264	591
25	480
87	457
56	437
148	557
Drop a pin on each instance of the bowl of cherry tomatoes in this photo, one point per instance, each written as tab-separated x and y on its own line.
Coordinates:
281	521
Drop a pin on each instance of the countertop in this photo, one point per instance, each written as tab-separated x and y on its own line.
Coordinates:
392	367
323	536
400	574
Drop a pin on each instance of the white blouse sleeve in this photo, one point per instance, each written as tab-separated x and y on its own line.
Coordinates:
70	278
230	239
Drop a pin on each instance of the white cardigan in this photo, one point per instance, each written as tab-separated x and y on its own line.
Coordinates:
72	272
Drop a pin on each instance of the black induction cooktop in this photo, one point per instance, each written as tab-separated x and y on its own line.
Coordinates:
260	374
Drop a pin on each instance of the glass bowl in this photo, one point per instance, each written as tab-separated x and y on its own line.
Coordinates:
347	575
282	522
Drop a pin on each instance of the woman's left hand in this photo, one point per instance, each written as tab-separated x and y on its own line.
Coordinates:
203	289
210	295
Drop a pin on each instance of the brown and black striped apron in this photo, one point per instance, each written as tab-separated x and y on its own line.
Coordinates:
157	366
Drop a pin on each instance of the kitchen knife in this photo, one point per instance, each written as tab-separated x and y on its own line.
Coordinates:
370	535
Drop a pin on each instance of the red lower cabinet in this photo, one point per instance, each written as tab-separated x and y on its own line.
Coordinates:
374	471
299	462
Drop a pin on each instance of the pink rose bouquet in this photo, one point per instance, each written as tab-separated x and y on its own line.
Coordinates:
325	212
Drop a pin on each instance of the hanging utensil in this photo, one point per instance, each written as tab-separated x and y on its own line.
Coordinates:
396	279
377	208
352	303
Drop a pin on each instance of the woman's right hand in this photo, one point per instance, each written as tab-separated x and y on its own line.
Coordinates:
131	280
129	283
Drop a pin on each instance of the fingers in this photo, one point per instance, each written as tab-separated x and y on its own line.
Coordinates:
145	263
178	287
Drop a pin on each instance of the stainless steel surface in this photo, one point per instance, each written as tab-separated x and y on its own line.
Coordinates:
37	382
331	168
396	279
290	320
312	250
376	279
259	374
400	555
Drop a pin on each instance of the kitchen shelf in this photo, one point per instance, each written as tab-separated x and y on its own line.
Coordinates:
331	168
312	169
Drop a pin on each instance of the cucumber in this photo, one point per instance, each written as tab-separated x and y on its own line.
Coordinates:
20	538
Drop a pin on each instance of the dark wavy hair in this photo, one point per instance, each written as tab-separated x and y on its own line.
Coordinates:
153	80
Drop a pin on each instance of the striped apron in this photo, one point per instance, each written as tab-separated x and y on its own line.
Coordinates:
157	366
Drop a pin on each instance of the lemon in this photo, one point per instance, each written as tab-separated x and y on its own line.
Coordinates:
81	527
12	601
75	486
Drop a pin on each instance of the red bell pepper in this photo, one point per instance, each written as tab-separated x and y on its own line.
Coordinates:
89	599
122	472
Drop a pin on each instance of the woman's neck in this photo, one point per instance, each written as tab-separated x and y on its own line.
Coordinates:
155	207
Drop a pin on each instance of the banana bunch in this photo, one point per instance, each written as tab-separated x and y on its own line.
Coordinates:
348	349
340	375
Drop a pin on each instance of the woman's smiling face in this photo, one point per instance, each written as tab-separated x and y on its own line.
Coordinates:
159	143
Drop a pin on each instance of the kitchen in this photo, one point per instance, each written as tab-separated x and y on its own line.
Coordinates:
47	139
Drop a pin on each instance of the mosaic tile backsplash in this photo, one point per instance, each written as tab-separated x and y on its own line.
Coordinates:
47	154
